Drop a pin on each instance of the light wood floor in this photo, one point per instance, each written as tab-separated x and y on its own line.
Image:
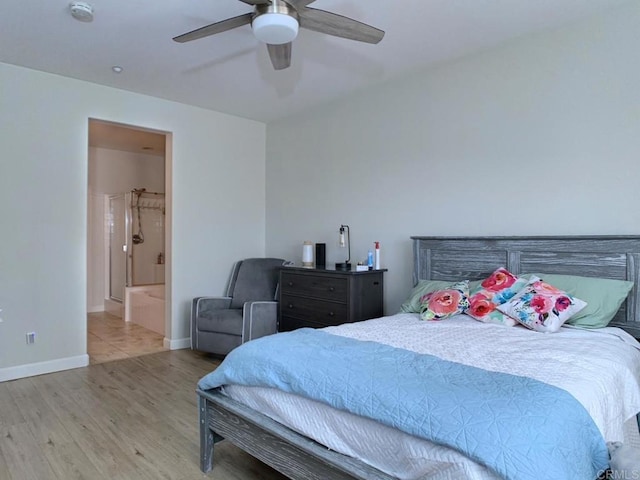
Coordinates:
127	420
111	338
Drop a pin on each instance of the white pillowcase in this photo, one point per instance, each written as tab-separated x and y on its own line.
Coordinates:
542	307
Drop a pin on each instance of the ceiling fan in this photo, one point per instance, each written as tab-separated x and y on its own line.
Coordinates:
276	23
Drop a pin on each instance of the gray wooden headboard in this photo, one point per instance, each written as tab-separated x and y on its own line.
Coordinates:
473	258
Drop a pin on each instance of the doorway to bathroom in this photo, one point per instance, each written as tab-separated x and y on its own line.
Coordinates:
127	232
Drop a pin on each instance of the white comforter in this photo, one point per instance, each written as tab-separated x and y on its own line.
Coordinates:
600	368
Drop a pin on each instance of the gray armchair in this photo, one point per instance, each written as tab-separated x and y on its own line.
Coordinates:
249	310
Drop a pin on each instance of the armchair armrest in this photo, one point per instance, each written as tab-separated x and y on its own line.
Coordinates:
260	318
201	305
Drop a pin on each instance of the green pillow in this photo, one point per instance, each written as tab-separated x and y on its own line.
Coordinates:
413	304
604	297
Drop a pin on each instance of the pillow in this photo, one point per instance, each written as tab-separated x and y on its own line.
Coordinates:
494	290
449	301
412	304
541	306
604	297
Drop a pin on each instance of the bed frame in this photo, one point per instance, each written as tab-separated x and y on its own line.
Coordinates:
473	258
435	258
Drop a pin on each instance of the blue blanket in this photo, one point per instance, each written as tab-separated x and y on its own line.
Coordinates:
519	427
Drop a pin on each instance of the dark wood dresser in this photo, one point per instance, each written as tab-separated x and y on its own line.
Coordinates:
311	297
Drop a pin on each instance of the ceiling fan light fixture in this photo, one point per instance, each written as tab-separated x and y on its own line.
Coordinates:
275	28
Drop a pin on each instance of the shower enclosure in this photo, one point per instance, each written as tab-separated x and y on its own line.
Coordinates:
136	226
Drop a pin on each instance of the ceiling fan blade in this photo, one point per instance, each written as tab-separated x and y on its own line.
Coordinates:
280	55
299	3
338	26
214	28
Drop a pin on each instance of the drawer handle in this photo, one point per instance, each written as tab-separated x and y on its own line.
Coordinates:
376	283
291	284
331	314
331	289
291	305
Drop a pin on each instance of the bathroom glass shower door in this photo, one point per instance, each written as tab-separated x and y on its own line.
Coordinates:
147	226
118	235
136	241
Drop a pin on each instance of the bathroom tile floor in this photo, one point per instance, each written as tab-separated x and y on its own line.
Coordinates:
111	338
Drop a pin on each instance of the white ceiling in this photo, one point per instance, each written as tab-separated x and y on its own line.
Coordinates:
231	72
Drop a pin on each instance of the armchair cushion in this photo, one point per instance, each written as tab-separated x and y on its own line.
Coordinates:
257	279
204	305
221	321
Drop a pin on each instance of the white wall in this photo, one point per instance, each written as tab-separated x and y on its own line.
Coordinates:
540	136
217	216
115	171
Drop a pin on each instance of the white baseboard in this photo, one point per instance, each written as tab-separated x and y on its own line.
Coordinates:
95	309
177	344
40	368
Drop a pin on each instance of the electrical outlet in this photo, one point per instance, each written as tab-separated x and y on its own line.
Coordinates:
31	338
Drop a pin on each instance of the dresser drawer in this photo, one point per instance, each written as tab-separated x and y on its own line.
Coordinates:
326	288
318	298
319	311
289	323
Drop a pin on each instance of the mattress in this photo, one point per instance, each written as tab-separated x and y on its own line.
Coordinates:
600	368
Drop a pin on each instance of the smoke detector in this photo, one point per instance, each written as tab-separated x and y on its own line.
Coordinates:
81	11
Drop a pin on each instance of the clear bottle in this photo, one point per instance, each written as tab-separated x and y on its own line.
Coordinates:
370	260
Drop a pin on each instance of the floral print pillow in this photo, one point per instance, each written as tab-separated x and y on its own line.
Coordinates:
542	307
445	303
495	290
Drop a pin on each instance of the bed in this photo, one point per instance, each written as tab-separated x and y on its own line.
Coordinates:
298	456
